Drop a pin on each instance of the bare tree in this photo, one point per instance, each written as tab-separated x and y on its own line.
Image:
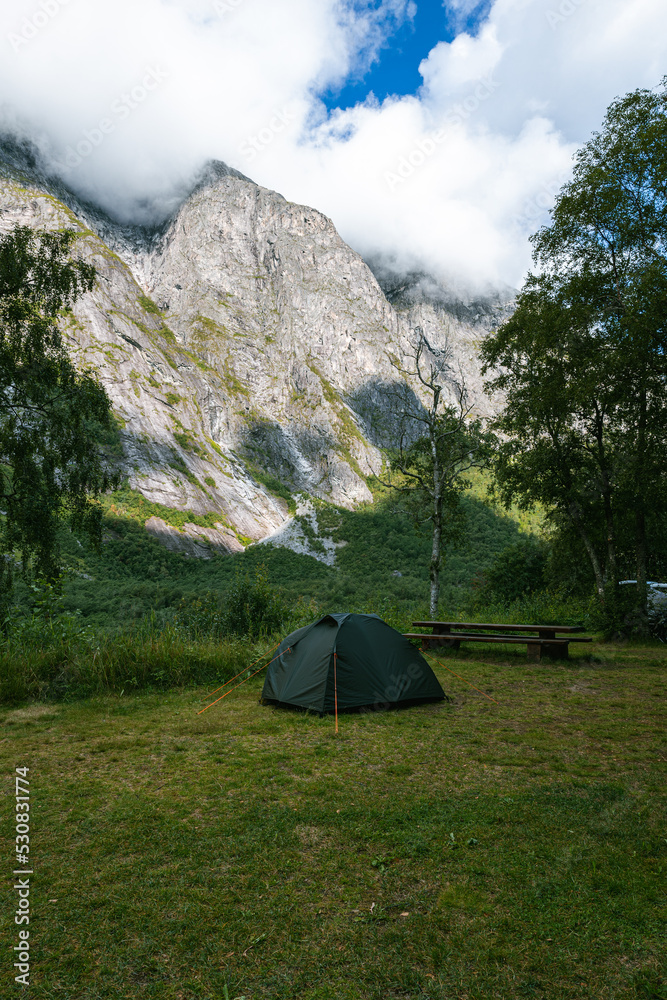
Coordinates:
438	443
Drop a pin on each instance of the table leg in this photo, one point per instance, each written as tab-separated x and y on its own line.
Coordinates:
559	651
438	641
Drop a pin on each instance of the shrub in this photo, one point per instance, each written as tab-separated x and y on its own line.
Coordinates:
541	608
657	620
518	569
251	608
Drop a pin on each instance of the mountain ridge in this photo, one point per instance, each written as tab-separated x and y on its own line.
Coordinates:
247	350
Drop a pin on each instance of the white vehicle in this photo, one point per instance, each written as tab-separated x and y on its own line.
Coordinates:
657	594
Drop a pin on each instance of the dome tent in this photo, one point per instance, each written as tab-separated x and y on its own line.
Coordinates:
346	661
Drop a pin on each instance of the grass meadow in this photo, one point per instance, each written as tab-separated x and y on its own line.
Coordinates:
457	851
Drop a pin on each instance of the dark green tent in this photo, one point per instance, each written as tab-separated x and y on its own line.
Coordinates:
346	661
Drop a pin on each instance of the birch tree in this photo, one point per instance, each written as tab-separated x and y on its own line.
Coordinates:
438	444
51	469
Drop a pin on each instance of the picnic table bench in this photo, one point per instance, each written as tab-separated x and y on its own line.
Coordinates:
550	640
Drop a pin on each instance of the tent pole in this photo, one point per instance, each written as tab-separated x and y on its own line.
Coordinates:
335	692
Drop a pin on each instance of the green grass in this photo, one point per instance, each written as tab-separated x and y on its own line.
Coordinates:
463	850
128	504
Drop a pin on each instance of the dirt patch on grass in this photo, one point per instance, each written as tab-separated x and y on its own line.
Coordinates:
30	714
312	837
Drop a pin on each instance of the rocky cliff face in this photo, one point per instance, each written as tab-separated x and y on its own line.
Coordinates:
246	349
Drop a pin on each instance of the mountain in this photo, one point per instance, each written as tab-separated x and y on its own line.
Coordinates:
247	350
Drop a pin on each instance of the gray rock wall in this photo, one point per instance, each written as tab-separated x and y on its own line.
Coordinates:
246	349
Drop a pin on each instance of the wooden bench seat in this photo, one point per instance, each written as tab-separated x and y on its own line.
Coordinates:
555	649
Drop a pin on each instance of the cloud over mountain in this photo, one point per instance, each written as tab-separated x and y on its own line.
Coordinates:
127	101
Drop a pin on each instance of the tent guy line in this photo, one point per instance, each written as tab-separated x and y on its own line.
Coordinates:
264	665
335	688
266	653
440	664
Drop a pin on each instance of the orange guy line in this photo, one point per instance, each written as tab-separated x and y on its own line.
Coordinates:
441	664
238	685
241	671
335	691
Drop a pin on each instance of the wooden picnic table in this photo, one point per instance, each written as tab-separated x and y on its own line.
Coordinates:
553	640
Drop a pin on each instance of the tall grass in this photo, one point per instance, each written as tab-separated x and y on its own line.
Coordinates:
50	653
75	666
541	607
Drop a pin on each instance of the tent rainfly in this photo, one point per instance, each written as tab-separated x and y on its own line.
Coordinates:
346	661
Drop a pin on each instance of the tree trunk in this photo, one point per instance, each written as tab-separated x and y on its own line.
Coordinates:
640	549
639	501
590	549
612	564
434	569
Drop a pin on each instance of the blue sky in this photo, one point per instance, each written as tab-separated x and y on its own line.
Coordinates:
395	71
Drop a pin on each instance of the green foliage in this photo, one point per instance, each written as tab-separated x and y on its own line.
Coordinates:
185	439
148	305
126	502
51	415
108	439
381	563
250	607
518	570
62	660
542	607
381	567
45	622
272	484
618	618
657	623
47	650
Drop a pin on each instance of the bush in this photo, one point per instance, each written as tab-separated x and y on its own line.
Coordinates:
657	621
618	617
542	608
517	570
251	607
46	652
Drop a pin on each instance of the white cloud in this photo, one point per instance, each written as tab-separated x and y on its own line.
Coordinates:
454	178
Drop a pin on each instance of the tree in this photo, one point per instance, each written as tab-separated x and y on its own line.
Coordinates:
583	361
50	413
438	444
